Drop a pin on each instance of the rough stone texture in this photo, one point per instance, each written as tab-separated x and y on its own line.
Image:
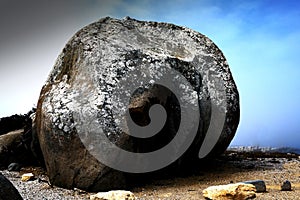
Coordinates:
113	195
16	142
7	190
260	185
13	148
14	167
286	186
10	139
88	71
238	191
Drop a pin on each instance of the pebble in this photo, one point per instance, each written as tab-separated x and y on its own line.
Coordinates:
286	186
14	167
27	177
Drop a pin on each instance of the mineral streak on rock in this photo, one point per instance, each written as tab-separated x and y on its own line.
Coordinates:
87	73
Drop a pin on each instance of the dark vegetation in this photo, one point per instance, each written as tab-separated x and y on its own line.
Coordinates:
16	122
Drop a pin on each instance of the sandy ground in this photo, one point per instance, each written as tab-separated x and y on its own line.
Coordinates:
234	167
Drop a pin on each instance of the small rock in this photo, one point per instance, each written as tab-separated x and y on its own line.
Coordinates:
7	190
238	191
27	177
274	161
286	186
260	185
14	167
113	195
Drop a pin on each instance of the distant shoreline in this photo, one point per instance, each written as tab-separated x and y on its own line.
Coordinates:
241	148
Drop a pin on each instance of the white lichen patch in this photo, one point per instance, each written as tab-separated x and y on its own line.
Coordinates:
58	106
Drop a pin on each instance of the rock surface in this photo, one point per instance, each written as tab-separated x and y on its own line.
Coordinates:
27	177
13	149
7	190
260	185
113	195
112	56
17	148
14	167
286	186
238	191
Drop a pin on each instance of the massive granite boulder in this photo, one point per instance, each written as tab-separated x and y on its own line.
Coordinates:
129	96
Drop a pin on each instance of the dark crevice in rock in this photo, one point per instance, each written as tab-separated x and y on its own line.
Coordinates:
140	115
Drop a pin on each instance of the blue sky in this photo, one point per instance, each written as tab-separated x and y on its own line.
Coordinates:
260	40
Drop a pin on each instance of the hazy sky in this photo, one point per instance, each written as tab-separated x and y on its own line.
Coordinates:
260	39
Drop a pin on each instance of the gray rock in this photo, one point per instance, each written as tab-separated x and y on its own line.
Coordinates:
286	186
11	149
109	57
14	167
259	185
7	190
14	149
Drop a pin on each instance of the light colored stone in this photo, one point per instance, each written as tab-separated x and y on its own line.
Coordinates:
113	195
27	177
237	191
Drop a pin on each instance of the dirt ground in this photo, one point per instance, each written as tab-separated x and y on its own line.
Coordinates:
232	167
